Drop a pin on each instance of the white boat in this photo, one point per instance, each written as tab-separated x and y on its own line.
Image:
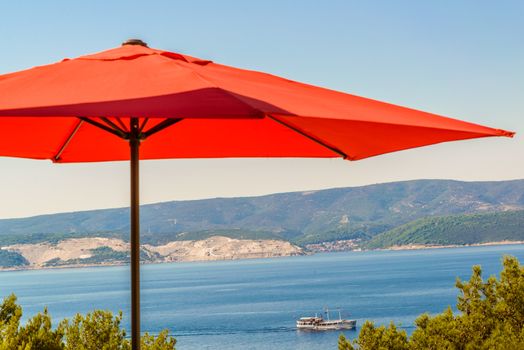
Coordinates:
318	323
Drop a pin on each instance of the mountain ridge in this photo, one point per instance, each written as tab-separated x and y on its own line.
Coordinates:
300	216
303	192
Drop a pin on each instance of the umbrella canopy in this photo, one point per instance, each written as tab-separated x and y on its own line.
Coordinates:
219	111
170	105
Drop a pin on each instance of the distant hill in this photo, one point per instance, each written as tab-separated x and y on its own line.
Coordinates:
455	229
300	217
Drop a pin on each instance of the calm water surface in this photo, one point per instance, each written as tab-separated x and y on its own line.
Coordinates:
253	304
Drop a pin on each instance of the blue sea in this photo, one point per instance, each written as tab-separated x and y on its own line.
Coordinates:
253	304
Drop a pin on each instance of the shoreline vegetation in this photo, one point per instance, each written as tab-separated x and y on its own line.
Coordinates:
255	255
99	329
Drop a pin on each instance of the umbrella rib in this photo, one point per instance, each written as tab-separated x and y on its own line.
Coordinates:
160	126
143	126
308	136
66	143
122	125
116	132
111	124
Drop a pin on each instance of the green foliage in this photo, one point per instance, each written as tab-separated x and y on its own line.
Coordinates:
344	344
11	259
37	333
491	317
456	229
98	330
51	237
10	315
381	338
105	254
439	332
102	255
161	342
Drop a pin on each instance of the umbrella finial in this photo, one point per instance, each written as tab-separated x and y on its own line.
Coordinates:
134	42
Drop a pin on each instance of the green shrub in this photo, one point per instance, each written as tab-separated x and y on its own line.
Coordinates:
491	317
98	330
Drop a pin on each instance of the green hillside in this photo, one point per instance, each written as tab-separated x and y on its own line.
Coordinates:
455	229
299	217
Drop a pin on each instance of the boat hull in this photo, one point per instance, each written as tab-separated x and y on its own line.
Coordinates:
328	326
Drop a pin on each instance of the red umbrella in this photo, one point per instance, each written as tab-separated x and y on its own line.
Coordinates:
82	109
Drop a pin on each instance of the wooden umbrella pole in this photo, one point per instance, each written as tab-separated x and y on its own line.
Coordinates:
134	144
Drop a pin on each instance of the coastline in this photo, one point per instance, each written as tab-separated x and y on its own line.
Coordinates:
437	246
122	263
82	252
393	248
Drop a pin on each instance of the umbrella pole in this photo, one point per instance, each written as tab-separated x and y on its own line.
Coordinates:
134	144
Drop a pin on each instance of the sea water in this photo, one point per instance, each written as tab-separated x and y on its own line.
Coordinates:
253	304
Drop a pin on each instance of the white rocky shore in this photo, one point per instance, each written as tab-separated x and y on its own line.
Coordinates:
72	252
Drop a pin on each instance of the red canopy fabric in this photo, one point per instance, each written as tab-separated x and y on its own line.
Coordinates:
79	110
225	112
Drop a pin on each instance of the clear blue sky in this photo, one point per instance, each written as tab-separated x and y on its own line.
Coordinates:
463	59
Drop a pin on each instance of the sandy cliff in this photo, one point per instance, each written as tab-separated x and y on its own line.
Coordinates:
220	248
81	251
